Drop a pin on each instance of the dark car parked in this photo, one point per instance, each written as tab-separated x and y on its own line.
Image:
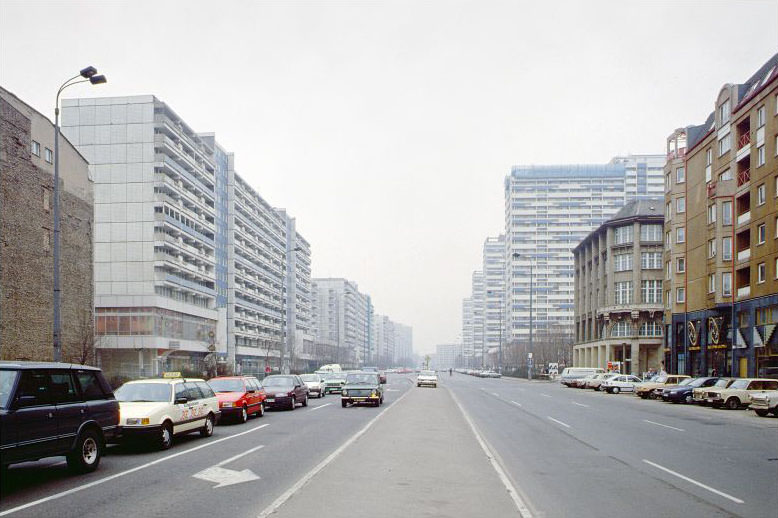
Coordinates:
285	391
51	409
683	392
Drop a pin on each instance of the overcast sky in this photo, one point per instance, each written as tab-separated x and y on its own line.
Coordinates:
387	128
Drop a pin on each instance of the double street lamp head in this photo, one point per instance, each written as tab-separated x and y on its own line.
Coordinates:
88	72
98	80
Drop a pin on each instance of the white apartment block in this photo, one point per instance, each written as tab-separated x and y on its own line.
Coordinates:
548	211
468	347
403	344
478	296
343	321
385	340
447	356
494	292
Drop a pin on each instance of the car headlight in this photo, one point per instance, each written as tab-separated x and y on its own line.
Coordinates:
227	404
345	392
137	420
374	394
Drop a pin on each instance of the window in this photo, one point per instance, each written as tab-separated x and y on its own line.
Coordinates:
63	388
680	175
622	262
669	269
90	385
668	211
621	328
712	283
761	233
724	112
668	183
761	114
725	144
667	240
726	213
34	388
650	329
49	156
669	295
623	234
680	235
35	148
760	156
651	260
711	213
761	194
726	248
680	265
709	157
726	284
760	273
711	248
726	175
46	199
680	295
651	233
624	292
651	292
680	205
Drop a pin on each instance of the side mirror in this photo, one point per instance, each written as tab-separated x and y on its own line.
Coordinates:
181	400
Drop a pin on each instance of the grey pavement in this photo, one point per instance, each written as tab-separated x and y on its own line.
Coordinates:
420	459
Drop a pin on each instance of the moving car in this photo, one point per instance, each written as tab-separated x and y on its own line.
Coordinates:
239	396
660	381
285	391
700	394
572	373
334	382
683	392
620	383
157	410
765	402
362	387
51	409
427	378
315	384
738	394
382	376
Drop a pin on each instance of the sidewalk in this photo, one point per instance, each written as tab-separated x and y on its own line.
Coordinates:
420	459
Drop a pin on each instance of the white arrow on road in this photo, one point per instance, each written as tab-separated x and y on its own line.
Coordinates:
227	477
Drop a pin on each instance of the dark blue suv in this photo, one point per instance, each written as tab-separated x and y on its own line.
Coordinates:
51	409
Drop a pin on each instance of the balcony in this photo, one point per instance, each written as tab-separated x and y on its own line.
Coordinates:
679	153
711	189
744	218
744	255
743	177
744	291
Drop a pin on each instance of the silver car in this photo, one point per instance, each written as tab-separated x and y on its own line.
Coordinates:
315	384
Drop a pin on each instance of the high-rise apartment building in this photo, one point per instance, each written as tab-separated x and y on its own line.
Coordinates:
494	293
447	356
385	335
721	235
478	295
403	344
548	211
468	338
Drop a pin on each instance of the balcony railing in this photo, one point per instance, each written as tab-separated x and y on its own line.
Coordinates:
744	255
679	153
744	218
745	291
743	177
745	139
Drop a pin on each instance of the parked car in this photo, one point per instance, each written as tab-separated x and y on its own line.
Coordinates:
334	382
738	394
157	410
239	396
315	384
645	389
362	387
581	382
620	383
285	391
427	378
683	392
595	381
765	402
51	409
573	373
700	394
657	392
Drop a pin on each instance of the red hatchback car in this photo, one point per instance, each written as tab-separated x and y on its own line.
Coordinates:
239	396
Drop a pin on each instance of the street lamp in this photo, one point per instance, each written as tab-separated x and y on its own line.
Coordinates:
88	74
517	255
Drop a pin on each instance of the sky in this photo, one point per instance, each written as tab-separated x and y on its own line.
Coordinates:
387	128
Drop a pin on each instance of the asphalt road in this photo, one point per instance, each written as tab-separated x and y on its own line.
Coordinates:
472	447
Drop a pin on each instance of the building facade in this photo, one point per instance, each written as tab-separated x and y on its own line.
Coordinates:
447	356
26	227
548	211
468	338
403	345
618	291
344	317
478	296
494	293
721	235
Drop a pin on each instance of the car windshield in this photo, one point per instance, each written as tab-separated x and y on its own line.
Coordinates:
278	381
336	376
429	373
685	381
361	379
7	379
227	385
696	382
723	383
310	377
143	392
739	384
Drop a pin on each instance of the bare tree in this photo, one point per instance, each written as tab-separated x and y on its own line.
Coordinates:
87	342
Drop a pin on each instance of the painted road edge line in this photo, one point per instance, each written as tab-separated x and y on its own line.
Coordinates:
286	495
580	404
664	425
319	406
514	494
557	421
122	473
691	480
515	403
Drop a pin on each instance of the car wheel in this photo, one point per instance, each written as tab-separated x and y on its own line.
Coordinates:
305	400
377	403
343	403
615	390
166	436
688	398
207	429
86	454
244	415
642	395
733	403
293	403
762	413
418	384
261	411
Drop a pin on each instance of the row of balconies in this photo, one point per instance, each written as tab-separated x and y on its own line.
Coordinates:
164	145
177	130
184	145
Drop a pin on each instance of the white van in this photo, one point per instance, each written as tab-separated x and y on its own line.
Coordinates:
573	373
332	367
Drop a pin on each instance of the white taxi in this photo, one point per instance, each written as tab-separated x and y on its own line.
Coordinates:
159	409
427	378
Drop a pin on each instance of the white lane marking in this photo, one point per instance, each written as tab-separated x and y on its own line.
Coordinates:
515	403
319	406
545	395
393	390
495	394
239	455
520	505
286	495
559	422
122	473
691	480
580	404
225	477
664	425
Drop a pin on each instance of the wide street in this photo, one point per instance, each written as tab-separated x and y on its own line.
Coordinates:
552	452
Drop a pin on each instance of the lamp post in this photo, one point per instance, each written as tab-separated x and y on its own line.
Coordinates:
88	74
517	255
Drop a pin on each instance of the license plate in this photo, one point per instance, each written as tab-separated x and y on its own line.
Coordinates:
270	400
710	400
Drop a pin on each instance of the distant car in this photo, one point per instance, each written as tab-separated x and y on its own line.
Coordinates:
490	374
156	410
334	382
683	392
315	384
569	374
285	391
700	394
382	376
582	382
765	402
661	381
362	387
738	394
51	409
427	379
596	380
620	383
239	396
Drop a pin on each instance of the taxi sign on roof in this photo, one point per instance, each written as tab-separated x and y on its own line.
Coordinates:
172	375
